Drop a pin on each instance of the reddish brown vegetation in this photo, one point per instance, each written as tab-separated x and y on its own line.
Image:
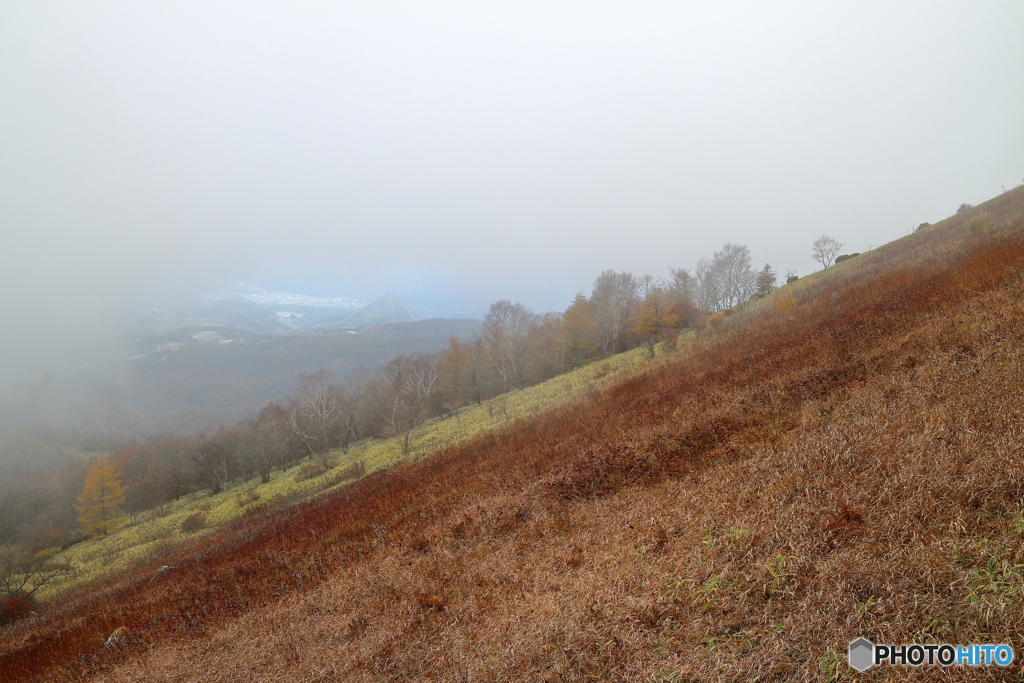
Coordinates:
848	466
15	606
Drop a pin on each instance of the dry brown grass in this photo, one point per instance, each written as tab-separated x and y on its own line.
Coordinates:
870	517
845	465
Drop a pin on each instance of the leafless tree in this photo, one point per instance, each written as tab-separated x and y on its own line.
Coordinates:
266	442
825	250
424	375
478	379
737	278
647	285
506	331
615	298
315	410
23	572
707	287
406	384
353	406
214	460
171	454
726	279
679	286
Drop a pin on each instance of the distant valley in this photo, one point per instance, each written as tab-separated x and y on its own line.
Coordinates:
198	365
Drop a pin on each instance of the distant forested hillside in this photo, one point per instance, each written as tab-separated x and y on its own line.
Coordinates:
182	384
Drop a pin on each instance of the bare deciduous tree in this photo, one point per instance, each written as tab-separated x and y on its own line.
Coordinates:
314	410
506	330
354	407
680	285
825	250
726	279
23	572
736	276
171	455
707	288
406	385
615	298
213	460
266	443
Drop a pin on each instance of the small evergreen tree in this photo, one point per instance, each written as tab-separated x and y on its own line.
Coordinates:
765	282
101	500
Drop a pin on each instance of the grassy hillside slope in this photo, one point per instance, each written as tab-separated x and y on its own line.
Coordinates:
841	460
156	534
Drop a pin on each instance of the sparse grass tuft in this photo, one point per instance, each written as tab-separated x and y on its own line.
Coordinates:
978	225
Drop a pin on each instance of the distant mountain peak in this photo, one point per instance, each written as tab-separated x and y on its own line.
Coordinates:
386	308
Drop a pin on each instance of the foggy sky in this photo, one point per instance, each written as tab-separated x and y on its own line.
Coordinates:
507	151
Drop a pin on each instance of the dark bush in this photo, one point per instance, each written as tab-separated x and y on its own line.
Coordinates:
14	606
193	523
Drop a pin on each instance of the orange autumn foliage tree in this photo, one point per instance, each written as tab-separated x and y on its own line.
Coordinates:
655	321
101	500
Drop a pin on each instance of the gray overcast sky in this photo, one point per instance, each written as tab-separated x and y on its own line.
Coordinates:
515	150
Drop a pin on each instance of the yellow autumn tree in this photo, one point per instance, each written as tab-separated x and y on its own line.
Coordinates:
101	500
579	328
452	369
655	321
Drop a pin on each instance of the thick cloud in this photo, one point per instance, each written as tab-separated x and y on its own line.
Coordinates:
491	152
